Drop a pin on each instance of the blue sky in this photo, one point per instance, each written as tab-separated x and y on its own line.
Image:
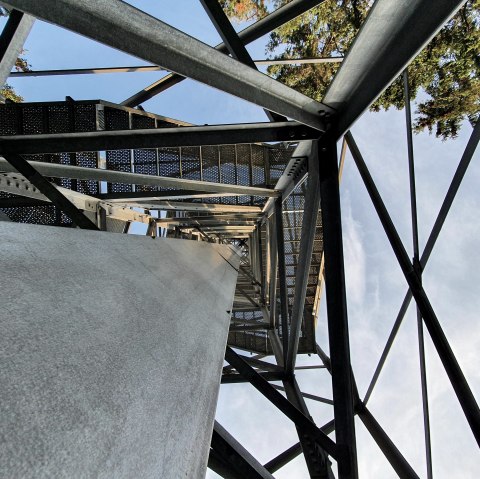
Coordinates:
375	283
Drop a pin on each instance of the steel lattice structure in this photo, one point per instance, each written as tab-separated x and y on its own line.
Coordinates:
270	189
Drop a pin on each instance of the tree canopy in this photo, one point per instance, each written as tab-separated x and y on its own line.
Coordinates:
444	78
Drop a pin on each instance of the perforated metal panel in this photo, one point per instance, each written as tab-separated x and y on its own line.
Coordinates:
10	120
258	154
87	159
61	118
169	162
210	163
191	165
41	215
118	160
85	117
145	161
228	164
34	119
277	160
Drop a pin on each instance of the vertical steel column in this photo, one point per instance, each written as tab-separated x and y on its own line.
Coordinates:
250	170
266	266
132	151
261	266
273	269
180	162
157	155
282	275
309	224
257	255
337	311
317	461
416	263
254	252
71	127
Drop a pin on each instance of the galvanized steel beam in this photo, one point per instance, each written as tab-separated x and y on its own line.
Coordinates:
284	458
238	378
318	463
82	173
154	68
390	37
342	383
226	31
206	207
157	138
262	365
177	194
272	296
308	396
281	275
218	464
307	239
416	262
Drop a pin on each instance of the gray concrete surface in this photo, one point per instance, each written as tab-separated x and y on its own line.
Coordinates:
111	350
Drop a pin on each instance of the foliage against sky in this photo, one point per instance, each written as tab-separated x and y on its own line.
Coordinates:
447	71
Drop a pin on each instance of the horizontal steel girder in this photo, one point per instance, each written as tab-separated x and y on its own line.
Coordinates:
156	138
154	68
121	26
393	33
82	173
238	378
206	207
174	195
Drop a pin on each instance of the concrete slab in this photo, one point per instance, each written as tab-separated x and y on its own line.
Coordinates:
110	353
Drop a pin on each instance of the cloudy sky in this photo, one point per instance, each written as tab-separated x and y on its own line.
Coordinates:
375	284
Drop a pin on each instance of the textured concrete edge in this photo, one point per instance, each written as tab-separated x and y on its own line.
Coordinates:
226	253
